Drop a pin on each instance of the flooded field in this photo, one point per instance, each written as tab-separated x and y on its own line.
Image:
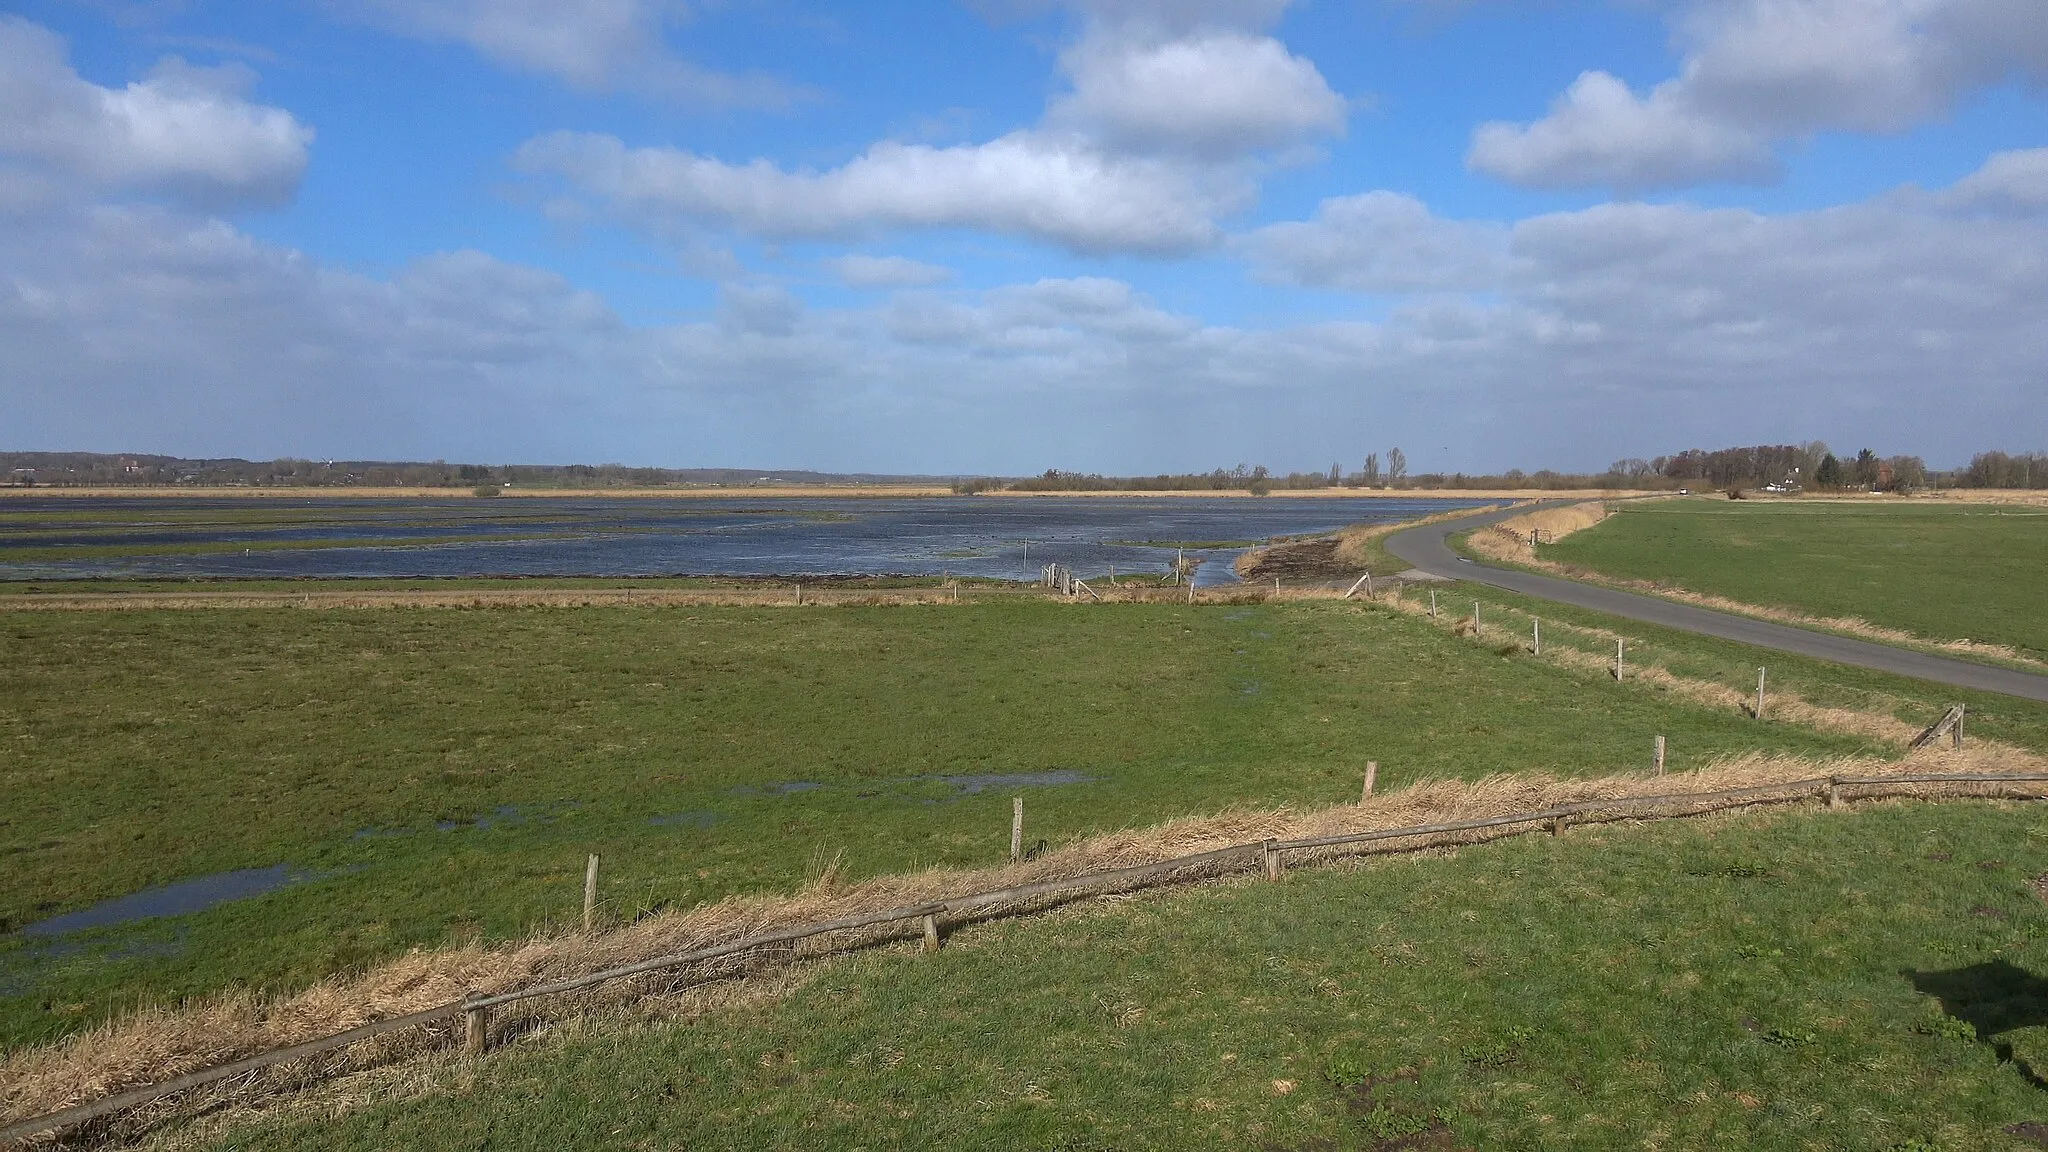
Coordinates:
329	537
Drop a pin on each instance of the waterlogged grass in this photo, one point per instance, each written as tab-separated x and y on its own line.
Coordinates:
1941	572
1876	979
440	775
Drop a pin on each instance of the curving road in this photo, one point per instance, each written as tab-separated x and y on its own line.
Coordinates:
1425	548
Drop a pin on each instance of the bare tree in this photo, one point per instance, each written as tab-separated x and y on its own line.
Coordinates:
1397	465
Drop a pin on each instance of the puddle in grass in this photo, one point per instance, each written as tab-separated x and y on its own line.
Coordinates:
974	785
777	788
697	819
177	899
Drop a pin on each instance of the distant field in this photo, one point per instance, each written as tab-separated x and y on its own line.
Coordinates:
430	776
1871	980
1940	572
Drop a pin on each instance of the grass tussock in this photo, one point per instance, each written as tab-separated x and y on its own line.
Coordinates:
156	1045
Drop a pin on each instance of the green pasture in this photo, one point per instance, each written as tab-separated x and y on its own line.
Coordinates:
1870	980
437	775
1939	571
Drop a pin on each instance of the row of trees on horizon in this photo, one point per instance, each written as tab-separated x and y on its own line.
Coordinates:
1806	466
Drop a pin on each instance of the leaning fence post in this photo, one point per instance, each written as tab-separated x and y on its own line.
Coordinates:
931	933
1016	829
1759	693
1270	856
1372	776
476	1027
1659	755
590	893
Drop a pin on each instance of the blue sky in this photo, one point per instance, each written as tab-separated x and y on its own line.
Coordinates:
1000	236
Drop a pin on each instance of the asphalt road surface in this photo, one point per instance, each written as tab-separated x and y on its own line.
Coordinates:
1425	548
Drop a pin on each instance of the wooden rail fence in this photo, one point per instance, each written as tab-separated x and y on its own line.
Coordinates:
1267	856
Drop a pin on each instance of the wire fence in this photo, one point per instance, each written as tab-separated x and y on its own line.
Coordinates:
931	918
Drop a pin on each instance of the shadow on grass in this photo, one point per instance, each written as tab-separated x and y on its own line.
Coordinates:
1994	998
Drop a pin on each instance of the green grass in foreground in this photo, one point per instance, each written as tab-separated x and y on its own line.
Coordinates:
1786	981
140	748
1945	572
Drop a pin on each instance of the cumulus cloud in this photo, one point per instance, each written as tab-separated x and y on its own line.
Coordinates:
1161	134
1026	183
862	271
190	133
595	45
1380	242
1617	329
1757	72
1214	93
2013	181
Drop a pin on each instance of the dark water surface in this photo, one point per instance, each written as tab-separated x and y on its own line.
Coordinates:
1002	537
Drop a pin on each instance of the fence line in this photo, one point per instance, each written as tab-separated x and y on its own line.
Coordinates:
980	904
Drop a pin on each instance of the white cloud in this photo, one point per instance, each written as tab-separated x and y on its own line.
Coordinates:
861	271
183	131
1757	72
1217	94
1165	131
1619	330
2014	181
1027	183
591	44
1380	242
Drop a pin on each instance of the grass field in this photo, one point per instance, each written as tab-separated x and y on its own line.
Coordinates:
1861	980
1939	572
434	776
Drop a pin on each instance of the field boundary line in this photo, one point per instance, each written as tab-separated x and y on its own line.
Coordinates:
990	904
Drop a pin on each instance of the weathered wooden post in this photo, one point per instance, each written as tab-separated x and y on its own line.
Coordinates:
1016	829
1369	594
1270	857
1834	794
1191	592
931	933
1355	585
1557	825
1759	693
1372	775
1955	734
1536	635
590	894
1478	629
1618	648
1658	755
1432	603
1178	561
476	1026
799	595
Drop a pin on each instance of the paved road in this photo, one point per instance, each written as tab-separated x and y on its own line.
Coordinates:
1425	548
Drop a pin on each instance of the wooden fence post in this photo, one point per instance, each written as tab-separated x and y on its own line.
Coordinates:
1618	649
799	595
1016	829
590	894
1432	603
476	1028
1834	794
1759	693
1478	629
931	933
1659	755
1536	631
1369	594
1372	776
1955	734
1557	825
1177	560
1191	592
1269	856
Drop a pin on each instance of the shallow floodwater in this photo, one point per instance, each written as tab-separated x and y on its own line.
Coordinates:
1000	537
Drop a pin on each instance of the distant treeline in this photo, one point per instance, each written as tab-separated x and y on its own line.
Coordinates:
1803	466
1779	466
93	469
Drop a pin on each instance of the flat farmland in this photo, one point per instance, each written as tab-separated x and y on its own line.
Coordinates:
1940	572
392	779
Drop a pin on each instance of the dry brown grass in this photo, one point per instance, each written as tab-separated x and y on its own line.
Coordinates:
152	1046
1508	540
785	596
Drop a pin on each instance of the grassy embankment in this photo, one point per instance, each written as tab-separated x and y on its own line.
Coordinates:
439	776
1932	571
1863	980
